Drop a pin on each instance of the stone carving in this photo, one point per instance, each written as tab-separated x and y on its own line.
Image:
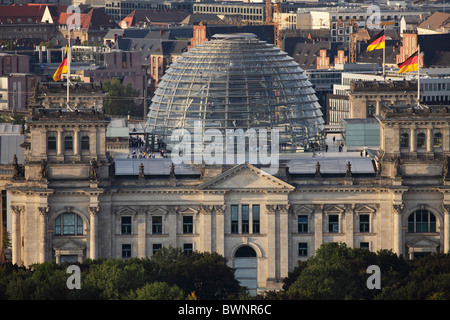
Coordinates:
93	170
348	173
44	172
18	169
318	173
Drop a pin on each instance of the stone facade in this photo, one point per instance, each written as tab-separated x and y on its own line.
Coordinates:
67	203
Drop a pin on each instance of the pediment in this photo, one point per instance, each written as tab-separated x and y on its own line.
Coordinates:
303	210
333	208
365	209
157	211
245	176
422	242
68	245
188	210
126	211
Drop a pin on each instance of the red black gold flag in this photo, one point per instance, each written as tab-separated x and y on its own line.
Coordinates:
377	42
410	64
62	67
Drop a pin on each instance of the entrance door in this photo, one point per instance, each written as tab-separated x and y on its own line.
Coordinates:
245	263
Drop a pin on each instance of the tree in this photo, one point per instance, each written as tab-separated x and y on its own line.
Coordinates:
113	279
6	243
119	99
339	272
205	274
158	291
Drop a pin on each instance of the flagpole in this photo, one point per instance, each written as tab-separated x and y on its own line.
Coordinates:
69	57
418	74
384	54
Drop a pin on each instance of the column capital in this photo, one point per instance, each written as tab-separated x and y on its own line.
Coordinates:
399	208
43	210
206	209
446	208
284	208
220	209
173	209
17	209
94	210
271	208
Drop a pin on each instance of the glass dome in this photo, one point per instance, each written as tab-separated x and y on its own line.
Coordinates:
236	81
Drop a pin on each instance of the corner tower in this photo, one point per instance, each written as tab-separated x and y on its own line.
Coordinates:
55	192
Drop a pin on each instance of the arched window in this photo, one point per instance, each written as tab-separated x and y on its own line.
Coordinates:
68	224
422	221
421	140
437	140
84	143
68	143
404	140
51	143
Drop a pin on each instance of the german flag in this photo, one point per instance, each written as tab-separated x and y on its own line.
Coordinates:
377	42
62	67
410	64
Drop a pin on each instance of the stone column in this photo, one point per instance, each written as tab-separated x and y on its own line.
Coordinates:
271	242
398	228
284	232
220	229
142	233
93	243
349	225
429	140
16	234
206	233
318	226
170	227
446	209
412	140
76	142
43	233
60	143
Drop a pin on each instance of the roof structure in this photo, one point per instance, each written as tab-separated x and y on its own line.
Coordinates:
95	19
154	17
435	22
236	81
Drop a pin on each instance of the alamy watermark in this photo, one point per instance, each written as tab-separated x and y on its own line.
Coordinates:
211	146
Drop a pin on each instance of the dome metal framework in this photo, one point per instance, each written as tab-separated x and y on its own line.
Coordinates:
237	82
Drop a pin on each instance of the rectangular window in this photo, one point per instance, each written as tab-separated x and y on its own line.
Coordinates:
302	224
84	143
51	143
302	249
364	223
187	248
157	225
126	251
68	143
126	225
364	245
234	219
188	223
256	218
156	247
245	219
69	223
333	223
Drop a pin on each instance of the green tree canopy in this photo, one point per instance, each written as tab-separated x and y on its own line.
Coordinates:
120	99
